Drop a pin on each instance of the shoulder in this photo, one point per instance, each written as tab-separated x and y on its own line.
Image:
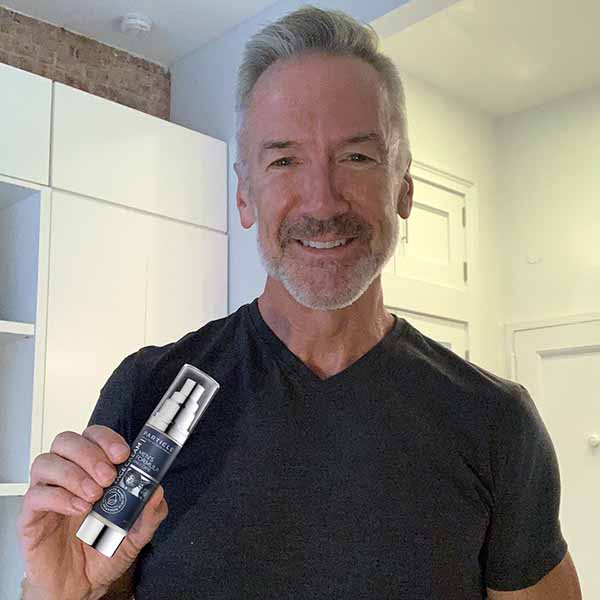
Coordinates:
141	378
206	347
215	348
444	372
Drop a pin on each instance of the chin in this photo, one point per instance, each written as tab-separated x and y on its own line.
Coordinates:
328	292
328	286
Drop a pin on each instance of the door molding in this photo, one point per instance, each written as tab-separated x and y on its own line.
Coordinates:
512	327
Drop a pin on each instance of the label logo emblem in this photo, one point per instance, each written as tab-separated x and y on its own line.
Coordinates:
114	500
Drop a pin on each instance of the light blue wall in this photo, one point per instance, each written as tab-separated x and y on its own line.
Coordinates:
202	98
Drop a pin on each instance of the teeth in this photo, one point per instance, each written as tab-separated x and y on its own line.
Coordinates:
331	244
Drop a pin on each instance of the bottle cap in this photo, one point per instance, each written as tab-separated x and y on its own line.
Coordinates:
100	536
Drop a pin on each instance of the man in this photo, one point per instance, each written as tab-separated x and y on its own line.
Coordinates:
346	455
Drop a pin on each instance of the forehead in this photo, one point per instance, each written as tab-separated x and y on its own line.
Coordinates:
317	94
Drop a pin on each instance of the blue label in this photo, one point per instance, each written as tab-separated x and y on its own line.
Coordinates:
151	455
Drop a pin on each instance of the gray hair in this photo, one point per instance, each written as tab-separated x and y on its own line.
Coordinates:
311	29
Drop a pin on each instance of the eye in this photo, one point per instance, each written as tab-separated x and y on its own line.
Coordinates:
358	157
281	162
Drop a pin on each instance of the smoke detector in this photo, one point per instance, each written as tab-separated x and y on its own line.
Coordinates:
135	23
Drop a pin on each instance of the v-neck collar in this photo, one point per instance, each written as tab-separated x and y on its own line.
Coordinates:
362	368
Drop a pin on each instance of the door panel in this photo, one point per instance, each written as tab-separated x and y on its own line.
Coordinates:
432	245
25	102
96	300
110	151
187	278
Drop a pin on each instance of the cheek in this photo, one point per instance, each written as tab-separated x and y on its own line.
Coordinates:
369	187
274	204
369	195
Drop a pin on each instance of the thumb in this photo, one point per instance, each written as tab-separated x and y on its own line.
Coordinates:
142	531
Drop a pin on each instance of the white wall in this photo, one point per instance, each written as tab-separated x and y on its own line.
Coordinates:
202	98
549	208
456	138
538	178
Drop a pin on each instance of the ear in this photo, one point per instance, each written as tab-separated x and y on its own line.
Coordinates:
405	196
243	200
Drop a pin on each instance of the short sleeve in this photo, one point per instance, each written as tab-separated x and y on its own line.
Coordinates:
524	539
114	407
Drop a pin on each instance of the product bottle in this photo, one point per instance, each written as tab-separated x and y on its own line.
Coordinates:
152	453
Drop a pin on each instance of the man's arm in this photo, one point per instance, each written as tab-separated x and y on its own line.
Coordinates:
561	583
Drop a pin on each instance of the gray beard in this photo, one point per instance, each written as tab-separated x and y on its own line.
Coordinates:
331	285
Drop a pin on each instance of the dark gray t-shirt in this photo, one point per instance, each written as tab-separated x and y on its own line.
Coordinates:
410	475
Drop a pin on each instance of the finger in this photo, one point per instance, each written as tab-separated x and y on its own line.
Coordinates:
114	445
50	468
87	454
44	498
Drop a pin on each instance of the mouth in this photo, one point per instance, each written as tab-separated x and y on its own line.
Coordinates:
325	247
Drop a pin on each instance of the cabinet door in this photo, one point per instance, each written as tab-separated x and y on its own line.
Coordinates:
187	278
96	304
113	152
25	101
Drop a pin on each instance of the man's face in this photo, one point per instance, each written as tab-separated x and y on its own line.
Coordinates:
323	165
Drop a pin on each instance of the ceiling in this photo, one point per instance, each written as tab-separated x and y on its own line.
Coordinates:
180	26
504	56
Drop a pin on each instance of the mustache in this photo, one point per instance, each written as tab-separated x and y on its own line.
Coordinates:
346	225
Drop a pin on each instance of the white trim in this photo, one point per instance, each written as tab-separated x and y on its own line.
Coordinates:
13	489
24	183
441	177
17	329
39	361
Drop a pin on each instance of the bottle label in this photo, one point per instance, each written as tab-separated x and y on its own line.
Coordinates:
151	455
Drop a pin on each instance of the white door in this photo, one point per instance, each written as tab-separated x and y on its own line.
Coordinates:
559	364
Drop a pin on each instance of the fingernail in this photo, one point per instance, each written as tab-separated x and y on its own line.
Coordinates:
118	450
79	504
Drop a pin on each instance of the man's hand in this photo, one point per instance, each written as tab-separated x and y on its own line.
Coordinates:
59	566
561	583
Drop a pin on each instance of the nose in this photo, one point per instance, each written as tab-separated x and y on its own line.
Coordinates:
322	197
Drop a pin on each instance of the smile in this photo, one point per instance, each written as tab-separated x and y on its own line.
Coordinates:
329	244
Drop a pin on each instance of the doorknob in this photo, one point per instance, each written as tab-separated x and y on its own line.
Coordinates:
594	440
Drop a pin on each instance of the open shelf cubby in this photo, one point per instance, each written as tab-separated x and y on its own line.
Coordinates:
19	252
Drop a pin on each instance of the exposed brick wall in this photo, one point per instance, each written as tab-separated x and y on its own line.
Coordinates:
83	63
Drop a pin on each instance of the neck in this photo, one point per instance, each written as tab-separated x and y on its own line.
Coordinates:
327	341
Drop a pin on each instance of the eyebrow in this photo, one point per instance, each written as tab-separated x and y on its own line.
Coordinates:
360	138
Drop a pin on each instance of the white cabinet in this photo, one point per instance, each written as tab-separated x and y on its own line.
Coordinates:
124	246
25	101
119	279
109	151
